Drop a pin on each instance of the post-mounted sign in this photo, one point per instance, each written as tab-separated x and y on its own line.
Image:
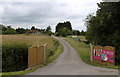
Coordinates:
104	55
108	55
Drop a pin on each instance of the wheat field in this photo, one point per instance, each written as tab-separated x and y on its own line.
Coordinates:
33	40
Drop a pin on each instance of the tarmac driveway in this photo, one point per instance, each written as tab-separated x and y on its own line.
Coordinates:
70	63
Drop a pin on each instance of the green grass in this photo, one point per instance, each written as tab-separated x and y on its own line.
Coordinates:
84	51
82	37
82	48
58	51
8	74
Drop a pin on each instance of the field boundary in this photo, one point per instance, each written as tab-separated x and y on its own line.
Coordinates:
58	51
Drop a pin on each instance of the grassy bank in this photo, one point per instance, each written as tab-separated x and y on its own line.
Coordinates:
12	74
84	51
82	48
57	51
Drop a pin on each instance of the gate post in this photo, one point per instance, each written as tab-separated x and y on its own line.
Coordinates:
91	47
44	53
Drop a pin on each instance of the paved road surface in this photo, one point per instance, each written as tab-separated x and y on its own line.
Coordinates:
69	63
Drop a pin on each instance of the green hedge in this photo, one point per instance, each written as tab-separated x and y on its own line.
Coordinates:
14	57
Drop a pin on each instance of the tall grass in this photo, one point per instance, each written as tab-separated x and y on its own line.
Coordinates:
31	40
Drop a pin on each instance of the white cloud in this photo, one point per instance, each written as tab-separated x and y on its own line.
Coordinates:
43	13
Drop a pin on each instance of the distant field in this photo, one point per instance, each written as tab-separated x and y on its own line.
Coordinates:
33	40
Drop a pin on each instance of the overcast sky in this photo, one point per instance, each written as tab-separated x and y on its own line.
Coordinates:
43	13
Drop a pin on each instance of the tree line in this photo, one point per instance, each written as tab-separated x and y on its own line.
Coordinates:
10	30
62	29
65	29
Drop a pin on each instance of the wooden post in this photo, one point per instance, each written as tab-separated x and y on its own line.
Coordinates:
32	60
37	55
91	47
44	53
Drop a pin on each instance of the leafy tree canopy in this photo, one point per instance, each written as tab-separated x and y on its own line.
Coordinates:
33	28
66	24
104	27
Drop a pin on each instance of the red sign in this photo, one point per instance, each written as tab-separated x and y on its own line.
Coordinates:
104	55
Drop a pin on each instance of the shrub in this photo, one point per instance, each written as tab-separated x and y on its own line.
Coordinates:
49	33
117	58
86	42
64	32
14	57
51	53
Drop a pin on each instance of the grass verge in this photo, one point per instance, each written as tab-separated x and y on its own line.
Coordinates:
12	74
58	51
84	52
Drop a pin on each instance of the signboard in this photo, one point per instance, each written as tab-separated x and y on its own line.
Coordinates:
108	55
97	53
104	55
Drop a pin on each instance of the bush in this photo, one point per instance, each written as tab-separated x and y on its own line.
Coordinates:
14	57
51	53
56	34
64	32
49	33
86	42
117	58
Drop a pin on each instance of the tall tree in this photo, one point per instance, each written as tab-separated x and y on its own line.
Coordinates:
82	33
33	28
66	24
48	29
64	32
8	30
76	32
20	30
104	28
3	27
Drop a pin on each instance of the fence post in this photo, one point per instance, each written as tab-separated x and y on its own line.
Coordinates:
44	54
91	47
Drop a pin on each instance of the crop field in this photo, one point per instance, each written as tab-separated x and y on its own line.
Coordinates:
31	40
15	50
